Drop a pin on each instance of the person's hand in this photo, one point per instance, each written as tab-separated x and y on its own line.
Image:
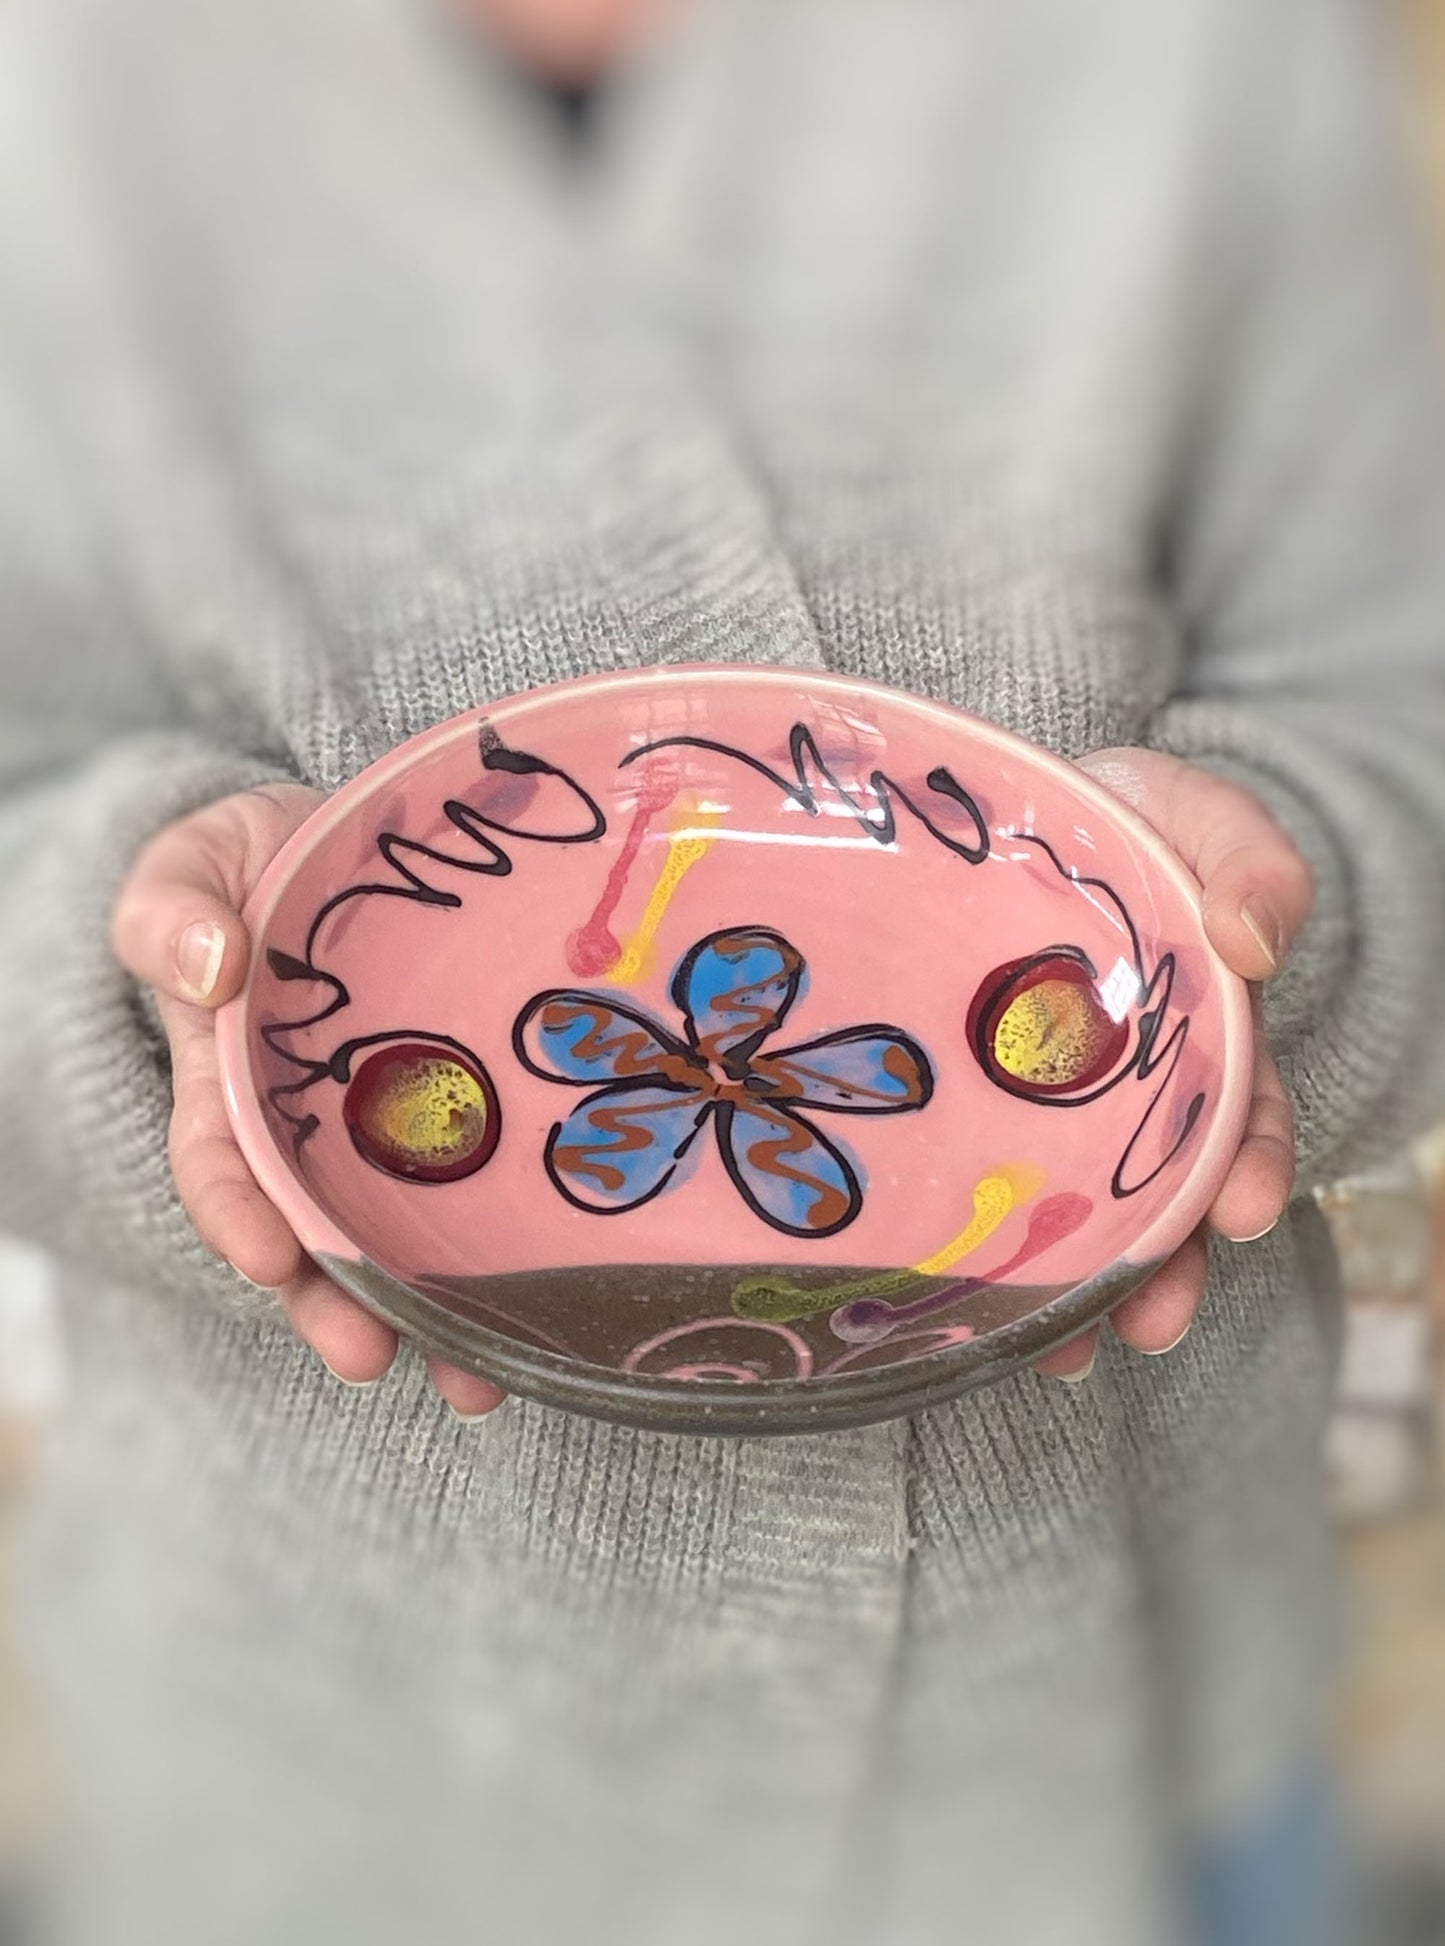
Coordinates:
177	927
1257	894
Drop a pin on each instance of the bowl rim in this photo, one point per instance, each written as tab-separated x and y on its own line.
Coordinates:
771	1405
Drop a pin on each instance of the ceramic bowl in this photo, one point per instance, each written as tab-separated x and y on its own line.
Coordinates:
735	1050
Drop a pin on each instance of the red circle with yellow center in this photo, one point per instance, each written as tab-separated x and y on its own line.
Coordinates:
1039	1028
424	1111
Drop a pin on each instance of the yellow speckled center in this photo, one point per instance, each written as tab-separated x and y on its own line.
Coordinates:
431	1112
1050	1034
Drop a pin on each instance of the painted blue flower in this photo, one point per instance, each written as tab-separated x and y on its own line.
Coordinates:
628	1140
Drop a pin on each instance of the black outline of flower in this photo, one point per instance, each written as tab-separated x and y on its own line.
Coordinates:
719	1065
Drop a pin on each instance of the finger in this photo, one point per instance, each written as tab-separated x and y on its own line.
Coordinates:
1254	906
353	1345
468	1396
1072	1362
222	1198
176	923
1257	889
1155	1317
1261	1178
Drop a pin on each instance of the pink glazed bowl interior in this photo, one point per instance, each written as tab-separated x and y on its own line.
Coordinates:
734	1049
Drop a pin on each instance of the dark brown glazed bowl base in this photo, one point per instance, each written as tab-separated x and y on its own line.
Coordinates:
1015	1324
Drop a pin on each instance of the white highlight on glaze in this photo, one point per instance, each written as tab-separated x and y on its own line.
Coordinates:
730	837
1119	990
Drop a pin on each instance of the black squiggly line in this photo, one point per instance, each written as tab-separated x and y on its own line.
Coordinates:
882	827
802	745
1146	1059
395	851
1117	1186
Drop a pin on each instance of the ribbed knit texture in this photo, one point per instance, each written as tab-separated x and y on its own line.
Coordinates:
1064	361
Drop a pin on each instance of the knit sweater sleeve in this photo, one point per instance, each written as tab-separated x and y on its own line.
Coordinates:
1310	561
97	752
95	756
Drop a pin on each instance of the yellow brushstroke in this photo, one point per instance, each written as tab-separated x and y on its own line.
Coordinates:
684	850
995	1196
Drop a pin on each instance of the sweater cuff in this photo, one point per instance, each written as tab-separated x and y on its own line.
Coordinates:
85	1089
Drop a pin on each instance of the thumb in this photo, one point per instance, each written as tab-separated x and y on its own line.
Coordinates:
176	924
1257	889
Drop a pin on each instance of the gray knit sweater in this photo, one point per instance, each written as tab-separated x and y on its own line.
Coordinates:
1062	360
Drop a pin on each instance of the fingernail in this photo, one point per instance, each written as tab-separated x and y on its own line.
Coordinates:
269	1289
469	1419
1078	1377
352	1384
1264	928
1257	1234
199	952
1161	1351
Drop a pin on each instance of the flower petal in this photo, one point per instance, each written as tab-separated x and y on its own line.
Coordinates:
858	1071
587	1037
788	1173
734	989
623	1146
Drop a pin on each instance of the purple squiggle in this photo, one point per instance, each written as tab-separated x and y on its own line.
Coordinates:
867	1320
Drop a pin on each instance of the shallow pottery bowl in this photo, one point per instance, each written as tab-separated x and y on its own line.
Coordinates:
731	1050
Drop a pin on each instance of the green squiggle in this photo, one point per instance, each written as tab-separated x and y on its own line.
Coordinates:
777	1300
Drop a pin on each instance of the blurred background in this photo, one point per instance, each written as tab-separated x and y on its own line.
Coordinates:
1386	1455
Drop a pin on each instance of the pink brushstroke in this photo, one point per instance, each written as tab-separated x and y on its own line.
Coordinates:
937	1337
802	1356
593	948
